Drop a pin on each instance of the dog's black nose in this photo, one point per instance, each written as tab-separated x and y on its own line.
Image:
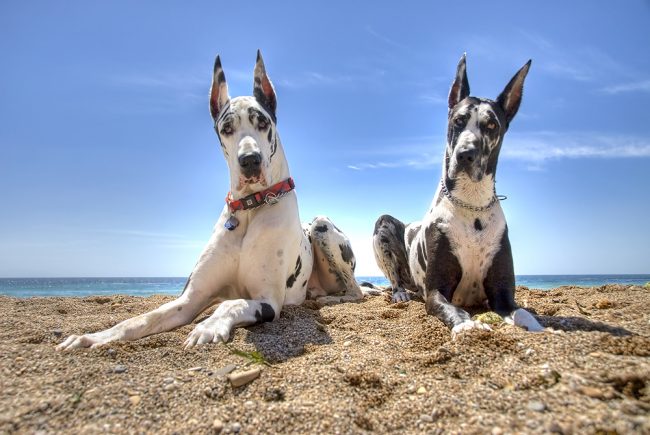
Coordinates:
467	155
250	161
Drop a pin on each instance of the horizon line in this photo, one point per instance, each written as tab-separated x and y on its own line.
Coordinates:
356	276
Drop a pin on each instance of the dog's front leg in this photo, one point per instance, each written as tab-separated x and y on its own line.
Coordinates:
499	287
178	312
232	314
201	291
457	319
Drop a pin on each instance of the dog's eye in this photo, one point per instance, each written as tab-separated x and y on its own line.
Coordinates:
459	122
491	126
262	124
226	129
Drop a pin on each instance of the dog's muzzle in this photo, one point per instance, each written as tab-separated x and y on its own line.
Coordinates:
467	155
251	164
468	160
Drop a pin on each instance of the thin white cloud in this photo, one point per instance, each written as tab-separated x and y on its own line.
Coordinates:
568	70
160	92
312	78
167	80
386	39
139	233
544	146
636	86
534	149
433	98
423	161
582	63
165	240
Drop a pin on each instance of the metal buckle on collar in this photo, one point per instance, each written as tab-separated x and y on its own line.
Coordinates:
271	198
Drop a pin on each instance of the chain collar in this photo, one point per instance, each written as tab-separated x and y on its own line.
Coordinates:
465	205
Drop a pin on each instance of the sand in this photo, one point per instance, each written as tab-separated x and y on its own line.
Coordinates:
361	367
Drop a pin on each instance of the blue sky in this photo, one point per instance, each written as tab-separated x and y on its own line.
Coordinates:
109	165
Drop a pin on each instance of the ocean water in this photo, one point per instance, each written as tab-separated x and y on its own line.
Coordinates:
28	287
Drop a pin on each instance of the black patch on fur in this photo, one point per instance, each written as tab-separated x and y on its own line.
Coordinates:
445	272
477	225
411	235
304	284
267	314
393	252
221	77
266	103
442	278
346	253
320	228
421	261
187	283
274	144
292	278
499	282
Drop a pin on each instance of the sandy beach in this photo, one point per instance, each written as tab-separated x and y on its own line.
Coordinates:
361	367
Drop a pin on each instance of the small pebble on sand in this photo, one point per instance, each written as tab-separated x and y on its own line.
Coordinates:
170	387
536	405
135	400
410	389
119	369
242	378
225	370
217	425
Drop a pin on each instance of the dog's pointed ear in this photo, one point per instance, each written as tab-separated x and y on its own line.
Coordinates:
219	91
263	90
510	98
460	87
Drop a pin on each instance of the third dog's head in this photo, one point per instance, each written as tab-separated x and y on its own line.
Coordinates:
246	129
476	126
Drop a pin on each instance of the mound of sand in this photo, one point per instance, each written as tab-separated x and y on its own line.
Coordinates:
348	368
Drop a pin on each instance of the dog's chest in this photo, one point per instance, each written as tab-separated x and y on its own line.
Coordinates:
474	239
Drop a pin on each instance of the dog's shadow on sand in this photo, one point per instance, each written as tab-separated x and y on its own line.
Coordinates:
287	337
575	323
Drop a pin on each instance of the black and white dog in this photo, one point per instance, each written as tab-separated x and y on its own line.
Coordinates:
459	254
259	257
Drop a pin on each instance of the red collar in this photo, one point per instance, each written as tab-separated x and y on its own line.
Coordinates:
267	196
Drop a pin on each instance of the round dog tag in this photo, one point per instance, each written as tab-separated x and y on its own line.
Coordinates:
231	223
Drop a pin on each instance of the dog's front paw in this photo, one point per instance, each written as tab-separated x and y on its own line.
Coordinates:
86	340
468	325
400	296
524	319
208	333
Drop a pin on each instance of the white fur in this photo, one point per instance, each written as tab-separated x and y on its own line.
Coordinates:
468	325
473	249
524	319
249	266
